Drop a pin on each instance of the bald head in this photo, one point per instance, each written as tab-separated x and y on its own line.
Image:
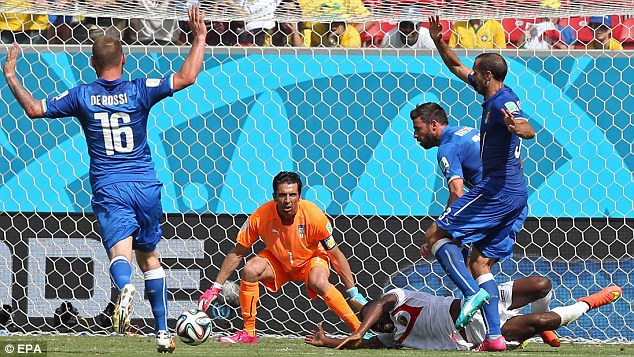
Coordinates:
106	53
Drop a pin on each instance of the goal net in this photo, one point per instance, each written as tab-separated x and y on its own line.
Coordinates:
340	118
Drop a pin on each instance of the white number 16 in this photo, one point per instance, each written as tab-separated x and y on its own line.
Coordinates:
113	134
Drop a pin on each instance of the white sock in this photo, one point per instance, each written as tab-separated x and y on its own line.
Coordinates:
542	305
570	313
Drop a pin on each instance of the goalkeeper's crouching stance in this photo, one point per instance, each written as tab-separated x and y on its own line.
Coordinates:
415	319
299	247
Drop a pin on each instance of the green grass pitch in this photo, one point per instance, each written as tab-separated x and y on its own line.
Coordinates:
127	346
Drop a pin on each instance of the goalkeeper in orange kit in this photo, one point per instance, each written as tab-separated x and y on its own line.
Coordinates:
299	247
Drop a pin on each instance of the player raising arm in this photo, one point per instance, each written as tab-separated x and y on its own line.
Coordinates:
299	247
113	113
415	319
486	214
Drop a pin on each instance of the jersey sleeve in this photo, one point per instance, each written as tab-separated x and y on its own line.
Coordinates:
153	90
472	83
450	162
249	232
512	106
62	105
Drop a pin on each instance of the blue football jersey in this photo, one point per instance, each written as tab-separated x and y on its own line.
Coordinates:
113	116
459	154
499	148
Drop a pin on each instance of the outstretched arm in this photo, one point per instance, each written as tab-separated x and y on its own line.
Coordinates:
31	106
188	72
374	313
318	338
341	266
229	265
446	53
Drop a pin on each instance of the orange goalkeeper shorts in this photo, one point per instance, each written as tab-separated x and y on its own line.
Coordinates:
299	274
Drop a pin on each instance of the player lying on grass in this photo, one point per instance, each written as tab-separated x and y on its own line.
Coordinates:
415	319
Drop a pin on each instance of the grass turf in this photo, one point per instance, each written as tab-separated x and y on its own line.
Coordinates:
127	346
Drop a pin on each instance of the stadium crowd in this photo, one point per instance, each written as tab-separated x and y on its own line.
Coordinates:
602	32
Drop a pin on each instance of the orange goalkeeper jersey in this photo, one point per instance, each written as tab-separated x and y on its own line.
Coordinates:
292	245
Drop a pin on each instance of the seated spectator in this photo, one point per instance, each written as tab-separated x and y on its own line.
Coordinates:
477	33
408	34
317	34
289	34
155	31
220	33
545	35
343	35
22	28
257	33
602	28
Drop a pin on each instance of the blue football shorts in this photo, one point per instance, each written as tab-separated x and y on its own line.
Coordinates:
489	222
126	209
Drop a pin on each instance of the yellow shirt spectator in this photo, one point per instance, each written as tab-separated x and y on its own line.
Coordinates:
19	21
613	45
489	35
315	32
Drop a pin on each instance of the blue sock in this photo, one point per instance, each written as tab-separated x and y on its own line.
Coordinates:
120	271
451	259
490	310
156	291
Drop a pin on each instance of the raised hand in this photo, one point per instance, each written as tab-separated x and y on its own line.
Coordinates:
197	22
12	58
435	28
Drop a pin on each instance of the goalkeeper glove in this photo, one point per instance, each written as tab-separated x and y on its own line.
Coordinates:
356	299
209	296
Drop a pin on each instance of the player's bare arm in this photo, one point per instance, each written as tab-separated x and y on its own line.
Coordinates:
456	190
519	126
31	106
446	53
229	265
341	266
373	314
190	69
318	338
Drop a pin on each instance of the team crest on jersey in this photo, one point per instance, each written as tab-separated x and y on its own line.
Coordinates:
485	38
444	164
153	82
245	225
62	95
300	230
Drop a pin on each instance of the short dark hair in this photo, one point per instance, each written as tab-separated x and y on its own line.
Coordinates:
494	63
287	177
428	112
106	52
